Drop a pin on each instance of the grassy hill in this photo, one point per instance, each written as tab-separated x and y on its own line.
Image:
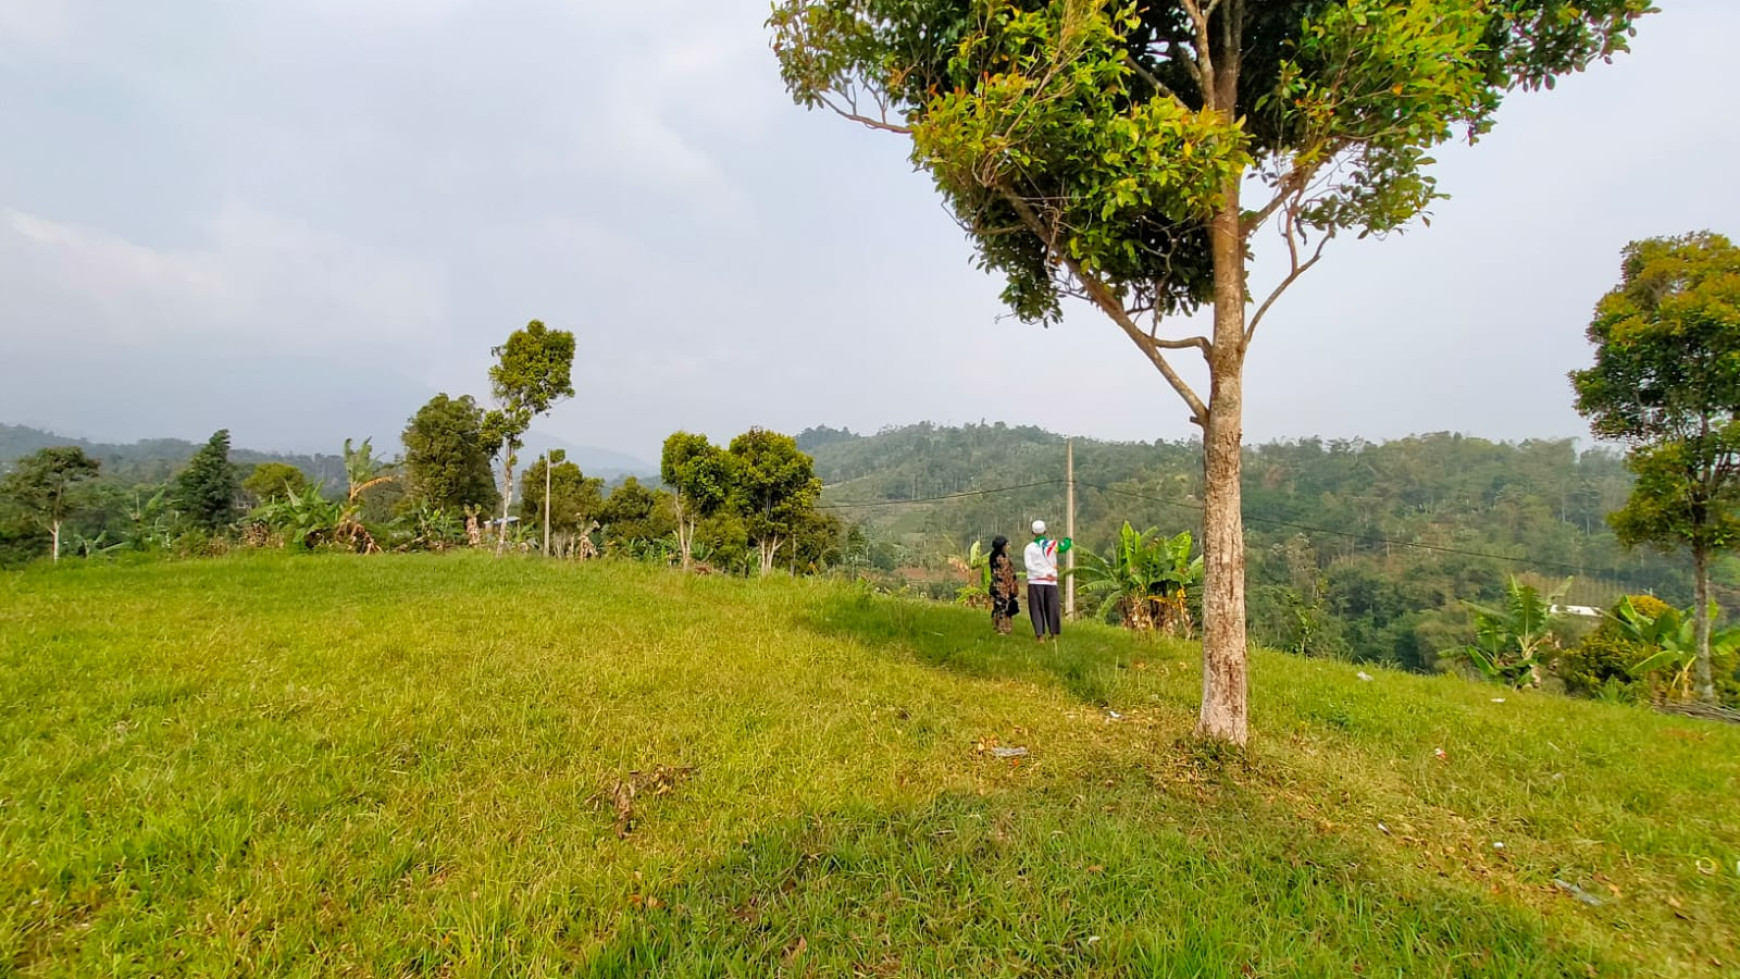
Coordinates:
421	766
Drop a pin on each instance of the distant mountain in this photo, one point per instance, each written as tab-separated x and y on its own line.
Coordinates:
593	461
151	460
154	460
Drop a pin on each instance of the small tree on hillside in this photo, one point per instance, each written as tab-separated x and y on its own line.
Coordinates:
274	481
1666	381
699	475
533	371
562	498
43	487
1102	150
447	455
207	490
774	486
636	516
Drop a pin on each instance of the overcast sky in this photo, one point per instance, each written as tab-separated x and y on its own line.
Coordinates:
300	218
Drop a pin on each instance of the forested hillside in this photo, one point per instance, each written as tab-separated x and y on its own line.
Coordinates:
156	460
1361	550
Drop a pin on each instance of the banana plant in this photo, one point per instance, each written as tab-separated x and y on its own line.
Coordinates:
150	522
1146	578
1673	635
975	591
305	518
1512	642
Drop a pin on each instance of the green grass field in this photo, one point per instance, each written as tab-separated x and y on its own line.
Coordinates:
405	766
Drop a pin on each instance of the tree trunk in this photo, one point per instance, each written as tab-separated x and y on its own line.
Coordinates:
507	499
1701	615
685	530
54	542
1225	706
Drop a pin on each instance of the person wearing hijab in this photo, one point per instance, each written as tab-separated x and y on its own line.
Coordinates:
1004	604
1040	559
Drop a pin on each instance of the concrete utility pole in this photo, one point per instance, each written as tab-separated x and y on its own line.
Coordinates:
1069	530
547	468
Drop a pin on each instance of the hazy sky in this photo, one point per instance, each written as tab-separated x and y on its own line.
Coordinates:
299	218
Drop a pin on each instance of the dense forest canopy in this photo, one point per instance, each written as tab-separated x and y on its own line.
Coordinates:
1357	549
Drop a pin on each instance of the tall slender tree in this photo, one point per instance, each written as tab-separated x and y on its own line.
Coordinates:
1666	381
1103	150
533	371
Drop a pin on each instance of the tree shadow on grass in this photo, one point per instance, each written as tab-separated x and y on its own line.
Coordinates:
1118	881
1090	661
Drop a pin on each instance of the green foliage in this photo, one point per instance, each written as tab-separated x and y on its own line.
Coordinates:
533	371
635	516
698	471
447	455
207	490
274	480
1514	641
150	521
1099	136
773	486
306	519
1667	641
1666	380
45	487
975	569
575	500
1145	581
426	528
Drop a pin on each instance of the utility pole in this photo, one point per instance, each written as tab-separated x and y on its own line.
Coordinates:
1069	530
546	503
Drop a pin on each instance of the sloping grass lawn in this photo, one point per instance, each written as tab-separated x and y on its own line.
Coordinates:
457	766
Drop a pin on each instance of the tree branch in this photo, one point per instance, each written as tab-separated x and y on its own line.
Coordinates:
1153	79
1200	343
1296	269
1204	52
1102	296
882	124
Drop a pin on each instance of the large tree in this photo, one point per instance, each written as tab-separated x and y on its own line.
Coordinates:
43	487
1666	381
1103	150
700	479
774	487
533	371
447	456
207	490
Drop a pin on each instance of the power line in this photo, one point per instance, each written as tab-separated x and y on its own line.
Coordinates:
939	499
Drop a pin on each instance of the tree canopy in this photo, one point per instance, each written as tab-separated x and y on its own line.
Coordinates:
44	487
1666	381
447	455
206	491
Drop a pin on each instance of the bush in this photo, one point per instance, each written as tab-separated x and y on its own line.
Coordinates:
1603	659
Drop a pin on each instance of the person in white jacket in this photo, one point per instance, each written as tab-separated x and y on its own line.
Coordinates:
1040	559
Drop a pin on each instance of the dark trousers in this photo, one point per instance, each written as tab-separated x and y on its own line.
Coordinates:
1044	608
